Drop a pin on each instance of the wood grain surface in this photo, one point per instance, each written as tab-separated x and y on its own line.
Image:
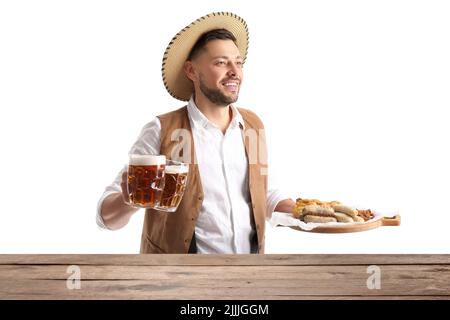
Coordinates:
255	277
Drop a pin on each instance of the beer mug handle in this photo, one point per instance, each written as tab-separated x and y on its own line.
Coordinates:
159	182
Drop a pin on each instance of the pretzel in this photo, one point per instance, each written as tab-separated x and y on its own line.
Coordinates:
365	214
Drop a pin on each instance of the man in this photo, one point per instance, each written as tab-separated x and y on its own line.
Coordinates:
227	198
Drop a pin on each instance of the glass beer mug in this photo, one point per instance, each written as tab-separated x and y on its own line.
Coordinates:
175	176
145	179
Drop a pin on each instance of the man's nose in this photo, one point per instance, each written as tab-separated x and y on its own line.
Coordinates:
233	71
231	74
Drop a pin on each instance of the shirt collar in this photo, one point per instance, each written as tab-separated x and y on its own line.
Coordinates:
200	120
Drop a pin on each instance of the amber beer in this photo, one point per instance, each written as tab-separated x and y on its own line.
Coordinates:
176	174
146	179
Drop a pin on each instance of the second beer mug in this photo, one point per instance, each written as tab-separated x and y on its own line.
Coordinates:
176	175
146	179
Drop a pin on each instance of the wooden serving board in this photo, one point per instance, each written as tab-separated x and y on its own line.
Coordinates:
384	221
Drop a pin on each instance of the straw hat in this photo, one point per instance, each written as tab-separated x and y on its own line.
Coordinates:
175	81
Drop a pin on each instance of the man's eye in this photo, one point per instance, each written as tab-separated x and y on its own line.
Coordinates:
220	62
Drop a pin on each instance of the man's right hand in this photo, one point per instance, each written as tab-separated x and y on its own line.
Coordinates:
124	187
116	210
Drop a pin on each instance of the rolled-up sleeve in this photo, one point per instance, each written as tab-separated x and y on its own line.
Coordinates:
112	188
274	193
148	142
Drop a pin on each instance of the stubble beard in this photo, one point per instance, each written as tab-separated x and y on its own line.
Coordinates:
216	96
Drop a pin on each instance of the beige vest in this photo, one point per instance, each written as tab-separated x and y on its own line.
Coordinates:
173	232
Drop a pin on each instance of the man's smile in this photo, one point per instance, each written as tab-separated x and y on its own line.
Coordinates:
231	85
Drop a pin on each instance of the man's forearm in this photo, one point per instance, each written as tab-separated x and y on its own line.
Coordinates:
115	212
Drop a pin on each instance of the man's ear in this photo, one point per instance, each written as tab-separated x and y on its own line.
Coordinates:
189	70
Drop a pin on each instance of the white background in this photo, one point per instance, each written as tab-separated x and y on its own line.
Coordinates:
354	96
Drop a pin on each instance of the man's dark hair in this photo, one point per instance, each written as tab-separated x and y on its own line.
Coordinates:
216	34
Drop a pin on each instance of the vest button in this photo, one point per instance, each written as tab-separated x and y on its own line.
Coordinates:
200	198
253	206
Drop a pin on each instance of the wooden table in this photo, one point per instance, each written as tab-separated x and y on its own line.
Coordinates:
225	276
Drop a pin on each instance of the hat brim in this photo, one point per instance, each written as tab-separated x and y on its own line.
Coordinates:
174	78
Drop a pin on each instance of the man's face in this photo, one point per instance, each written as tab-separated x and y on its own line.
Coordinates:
217	72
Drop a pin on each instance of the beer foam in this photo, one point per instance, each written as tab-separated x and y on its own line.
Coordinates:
176	169
147	160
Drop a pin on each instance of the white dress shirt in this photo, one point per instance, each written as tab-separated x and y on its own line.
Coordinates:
225	223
